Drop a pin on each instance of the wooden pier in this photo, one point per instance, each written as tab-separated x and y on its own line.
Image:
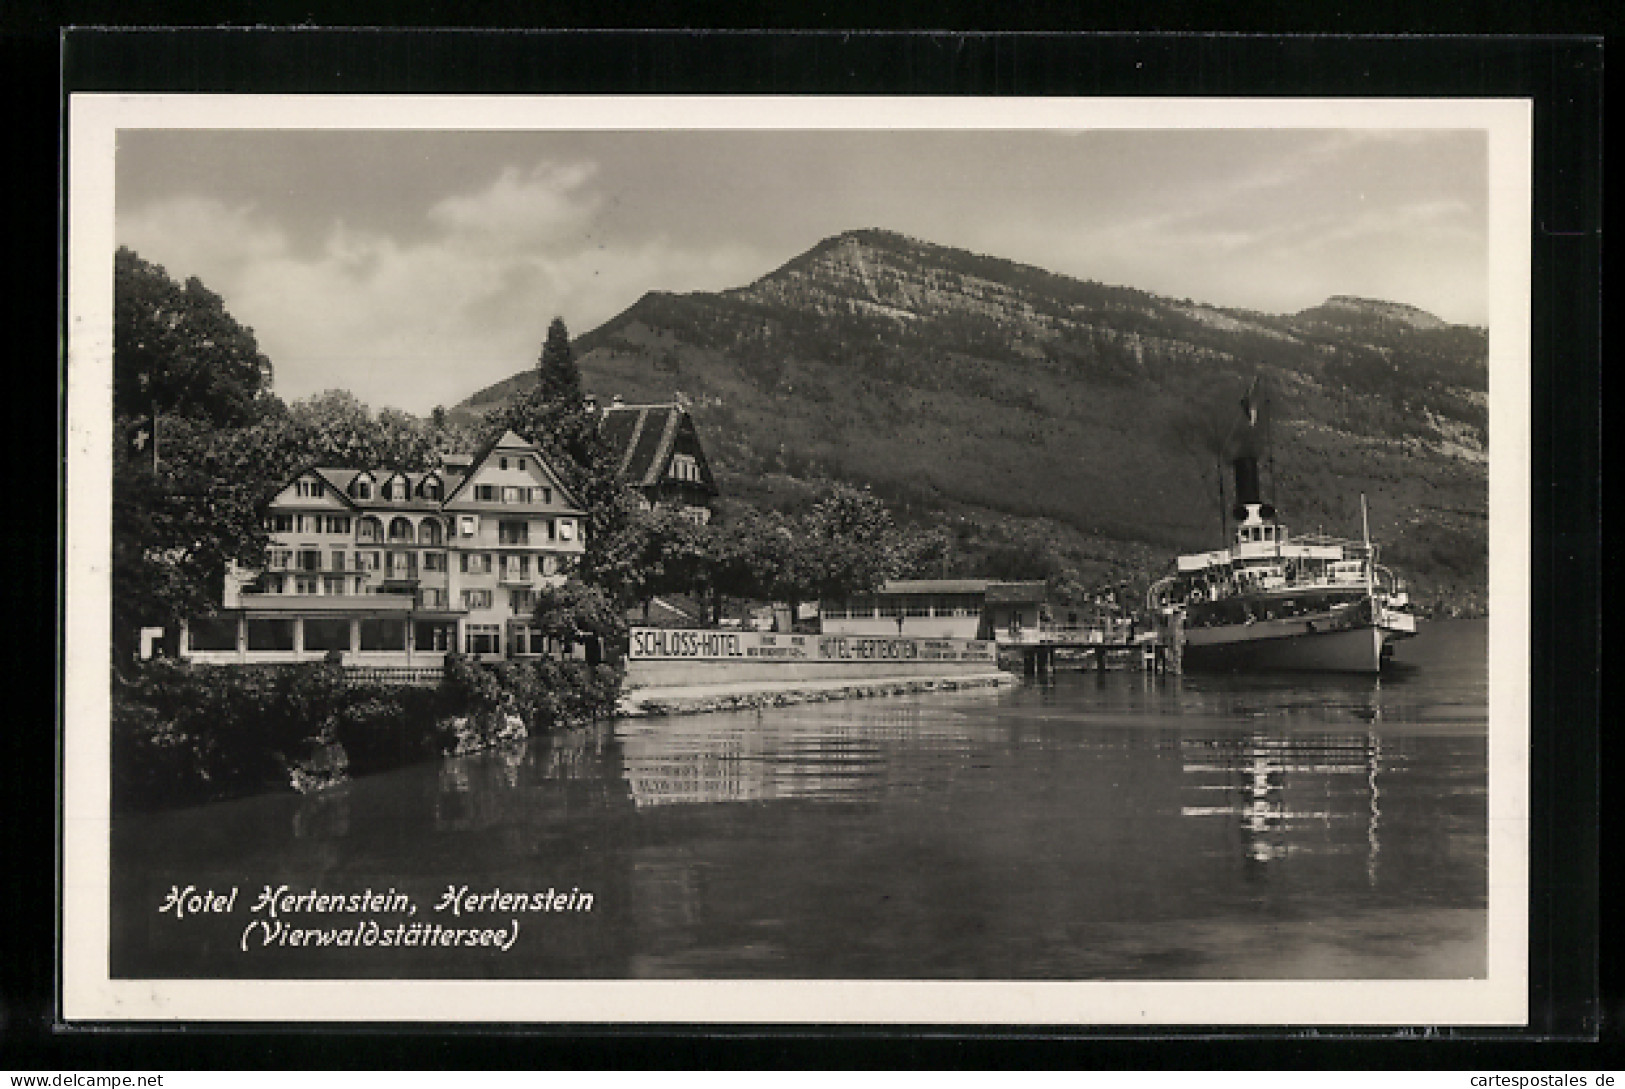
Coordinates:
1039	649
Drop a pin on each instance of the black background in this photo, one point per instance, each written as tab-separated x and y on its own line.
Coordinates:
1571	1006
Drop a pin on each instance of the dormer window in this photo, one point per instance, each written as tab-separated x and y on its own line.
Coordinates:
363	488
397	490
431	488
310	489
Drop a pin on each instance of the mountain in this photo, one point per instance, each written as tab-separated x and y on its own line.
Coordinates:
1058	423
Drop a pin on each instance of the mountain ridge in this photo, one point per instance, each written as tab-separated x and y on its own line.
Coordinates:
1017	404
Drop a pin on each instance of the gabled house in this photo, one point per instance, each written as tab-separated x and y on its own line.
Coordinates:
391	567
659	454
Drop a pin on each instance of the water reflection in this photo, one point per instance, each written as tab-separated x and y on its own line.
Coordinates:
815	753
1102	826
1290	793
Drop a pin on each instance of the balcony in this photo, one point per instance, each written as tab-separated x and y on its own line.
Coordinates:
315	603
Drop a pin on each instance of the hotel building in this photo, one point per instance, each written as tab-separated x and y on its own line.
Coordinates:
396	568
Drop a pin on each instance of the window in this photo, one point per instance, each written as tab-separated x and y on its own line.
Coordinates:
310	560
310	489
434	561
397	490
400	529
369	530
510	495
366	561
334	584
567	529
304	585
279	559
513	533
476	599
212	633
429	531
547	495
433	635
476	563
432	598
515	568
470	524
338	560
504	462
270	634
431	489
485	492
402	565
363	489
548	565
338	523
684	467
379	634
521	601
526	639
482	639
327	635
280	523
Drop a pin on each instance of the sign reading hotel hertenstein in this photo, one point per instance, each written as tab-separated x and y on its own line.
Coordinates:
689	644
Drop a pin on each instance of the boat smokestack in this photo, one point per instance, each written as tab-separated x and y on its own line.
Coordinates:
1249	492
1247	489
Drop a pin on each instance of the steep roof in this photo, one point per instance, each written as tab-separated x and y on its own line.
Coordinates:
643	436
508	438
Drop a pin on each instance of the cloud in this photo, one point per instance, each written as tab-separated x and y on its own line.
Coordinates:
195	233
546	206
430	321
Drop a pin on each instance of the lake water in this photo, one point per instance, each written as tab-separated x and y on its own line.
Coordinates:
1098	827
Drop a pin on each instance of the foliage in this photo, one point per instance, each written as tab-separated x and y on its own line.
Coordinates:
177	527
184	734
558	377
177	351
575	613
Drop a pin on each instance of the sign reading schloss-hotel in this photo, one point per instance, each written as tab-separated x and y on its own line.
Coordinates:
656	644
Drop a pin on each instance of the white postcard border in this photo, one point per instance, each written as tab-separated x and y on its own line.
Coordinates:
90	995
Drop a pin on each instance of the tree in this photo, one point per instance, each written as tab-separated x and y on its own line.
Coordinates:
184	511
853	542
334	428
578	614
176	529
176	350
557	376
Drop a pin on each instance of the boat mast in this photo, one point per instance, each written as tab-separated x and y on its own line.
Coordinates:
1365	532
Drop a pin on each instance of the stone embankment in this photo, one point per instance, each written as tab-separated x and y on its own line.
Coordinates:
698	699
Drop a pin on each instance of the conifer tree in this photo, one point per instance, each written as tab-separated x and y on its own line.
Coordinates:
558	379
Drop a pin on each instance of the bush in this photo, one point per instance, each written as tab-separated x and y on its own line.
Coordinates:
184	734
386	726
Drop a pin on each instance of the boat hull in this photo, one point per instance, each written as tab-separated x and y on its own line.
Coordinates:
1255	649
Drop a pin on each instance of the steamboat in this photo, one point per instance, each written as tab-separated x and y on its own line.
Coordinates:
1271	601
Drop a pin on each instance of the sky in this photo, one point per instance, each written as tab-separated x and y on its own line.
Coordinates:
416	267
